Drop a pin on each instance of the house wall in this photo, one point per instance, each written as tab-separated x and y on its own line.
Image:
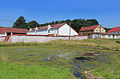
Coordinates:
67	30
117	36
96	36
54	31
43	32
109	36
3	34
100	29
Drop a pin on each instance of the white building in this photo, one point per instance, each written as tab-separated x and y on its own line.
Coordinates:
97	31
62	29
104	35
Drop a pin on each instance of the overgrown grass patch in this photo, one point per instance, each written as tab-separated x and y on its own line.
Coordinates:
108	44
30	58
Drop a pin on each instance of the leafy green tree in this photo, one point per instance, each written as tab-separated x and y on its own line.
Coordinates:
107	29
20	23
91	22
32	24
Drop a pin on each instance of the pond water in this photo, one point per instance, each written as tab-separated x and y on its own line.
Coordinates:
78	68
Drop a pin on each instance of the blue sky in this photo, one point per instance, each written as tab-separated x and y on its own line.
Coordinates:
107	12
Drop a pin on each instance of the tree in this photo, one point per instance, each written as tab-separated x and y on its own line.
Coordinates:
76	23
107	29
20	23
32	24
91	22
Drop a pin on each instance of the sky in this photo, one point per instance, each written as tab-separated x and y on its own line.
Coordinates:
106	12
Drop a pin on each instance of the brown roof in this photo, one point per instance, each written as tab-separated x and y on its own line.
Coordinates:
55	26
89	28
12	30
43	28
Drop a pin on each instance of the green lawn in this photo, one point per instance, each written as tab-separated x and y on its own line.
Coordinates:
29	61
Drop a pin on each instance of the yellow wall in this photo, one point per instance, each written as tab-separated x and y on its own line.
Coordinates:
100	29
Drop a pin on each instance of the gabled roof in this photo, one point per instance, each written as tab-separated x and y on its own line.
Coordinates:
55	26
89	28
115	29
12	30
43	28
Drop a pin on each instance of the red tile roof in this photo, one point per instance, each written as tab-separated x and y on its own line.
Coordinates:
88	28
43	28
55	26
12	30
116	29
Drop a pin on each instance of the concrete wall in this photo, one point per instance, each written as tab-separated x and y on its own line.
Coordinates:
14	39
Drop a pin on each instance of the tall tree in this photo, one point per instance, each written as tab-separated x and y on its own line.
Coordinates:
32	24
20	23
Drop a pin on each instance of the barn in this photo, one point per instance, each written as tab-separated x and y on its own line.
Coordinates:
62	29
7	31
92	29
115	30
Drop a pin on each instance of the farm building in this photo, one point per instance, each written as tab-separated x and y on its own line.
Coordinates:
114	33
98	31
7	31
62	29
92	29
115	30
104	35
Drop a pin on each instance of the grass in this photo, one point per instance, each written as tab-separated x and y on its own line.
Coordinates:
110	70
13	71
29	59
101	43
